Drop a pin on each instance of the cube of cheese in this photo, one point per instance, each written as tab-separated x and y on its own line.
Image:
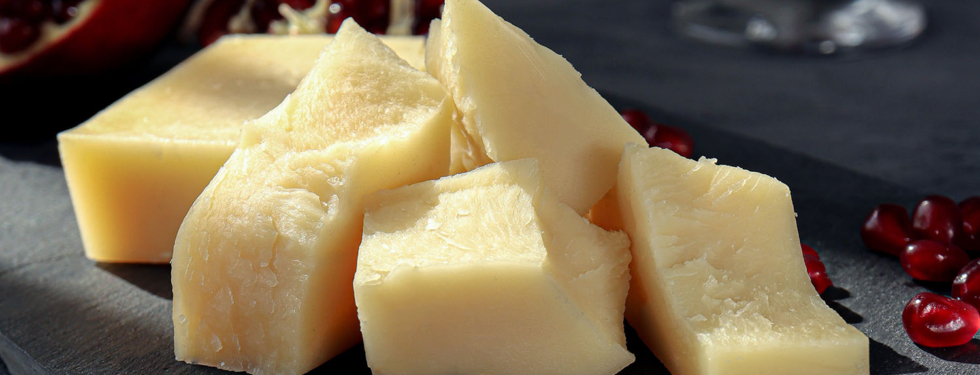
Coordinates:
486	273
518	99
134	169
719	286
264	260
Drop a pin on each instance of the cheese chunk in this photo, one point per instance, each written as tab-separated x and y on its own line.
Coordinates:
486	273
719	286
134	169
518	99
263	262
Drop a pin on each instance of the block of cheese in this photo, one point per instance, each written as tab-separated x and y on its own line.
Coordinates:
719	286
134	169
487	273
263	262
518	99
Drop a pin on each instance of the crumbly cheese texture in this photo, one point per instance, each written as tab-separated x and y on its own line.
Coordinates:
486	272
264	259
518	99
718	281
134	169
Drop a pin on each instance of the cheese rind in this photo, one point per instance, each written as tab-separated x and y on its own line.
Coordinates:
264	259
485	272
518	99
134	169
718	281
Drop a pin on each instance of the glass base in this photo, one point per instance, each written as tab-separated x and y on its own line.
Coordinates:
808	26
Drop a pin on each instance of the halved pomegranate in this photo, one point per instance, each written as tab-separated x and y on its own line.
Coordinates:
62	37
210	19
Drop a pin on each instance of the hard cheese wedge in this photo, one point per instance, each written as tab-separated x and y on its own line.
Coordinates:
134	169
263	262
486	273
719	286
519	99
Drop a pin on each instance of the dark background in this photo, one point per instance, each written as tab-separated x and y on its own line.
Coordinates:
904	118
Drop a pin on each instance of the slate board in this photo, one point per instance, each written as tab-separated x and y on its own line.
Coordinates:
61	313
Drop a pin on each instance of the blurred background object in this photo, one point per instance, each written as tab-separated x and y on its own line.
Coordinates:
811	26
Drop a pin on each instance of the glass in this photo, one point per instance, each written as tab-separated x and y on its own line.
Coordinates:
808	26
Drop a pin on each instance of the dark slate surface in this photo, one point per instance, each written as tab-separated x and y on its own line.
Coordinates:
61	313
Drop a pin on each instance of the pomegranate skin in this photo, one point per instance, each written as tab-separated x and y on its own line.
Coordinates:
887	229
937	321
111	34
966	285
929	260
937	218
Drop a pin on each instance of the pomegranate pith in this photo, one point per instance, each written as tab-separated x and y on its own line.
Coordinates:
966	285
969	239
887	229
938	321
929	260
937	218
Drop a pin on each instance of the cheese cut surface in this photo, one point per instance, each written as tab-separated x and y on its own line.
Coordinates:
134	169
518	99
718	283
486	273
263	262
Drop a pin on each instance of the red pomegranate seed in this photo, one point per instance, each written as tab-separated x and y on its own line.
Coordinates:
887	229
938	321
339	11
64	10
813	264
937	218
17	35
807	250
372	15
929	260
672	138
425	12
263	12
32	11
820	280
215	21
660	135
637	118
970	235
966	285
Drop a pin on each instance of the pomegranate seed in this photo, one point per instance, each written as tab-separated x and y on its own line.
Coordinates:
32	11
263	12
966	285
64	10
215	21
17	35
937	321
929	260
425	12
637	118
813	264
660	135
970	212
887	229
820	280
672	138
937	218
807	250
